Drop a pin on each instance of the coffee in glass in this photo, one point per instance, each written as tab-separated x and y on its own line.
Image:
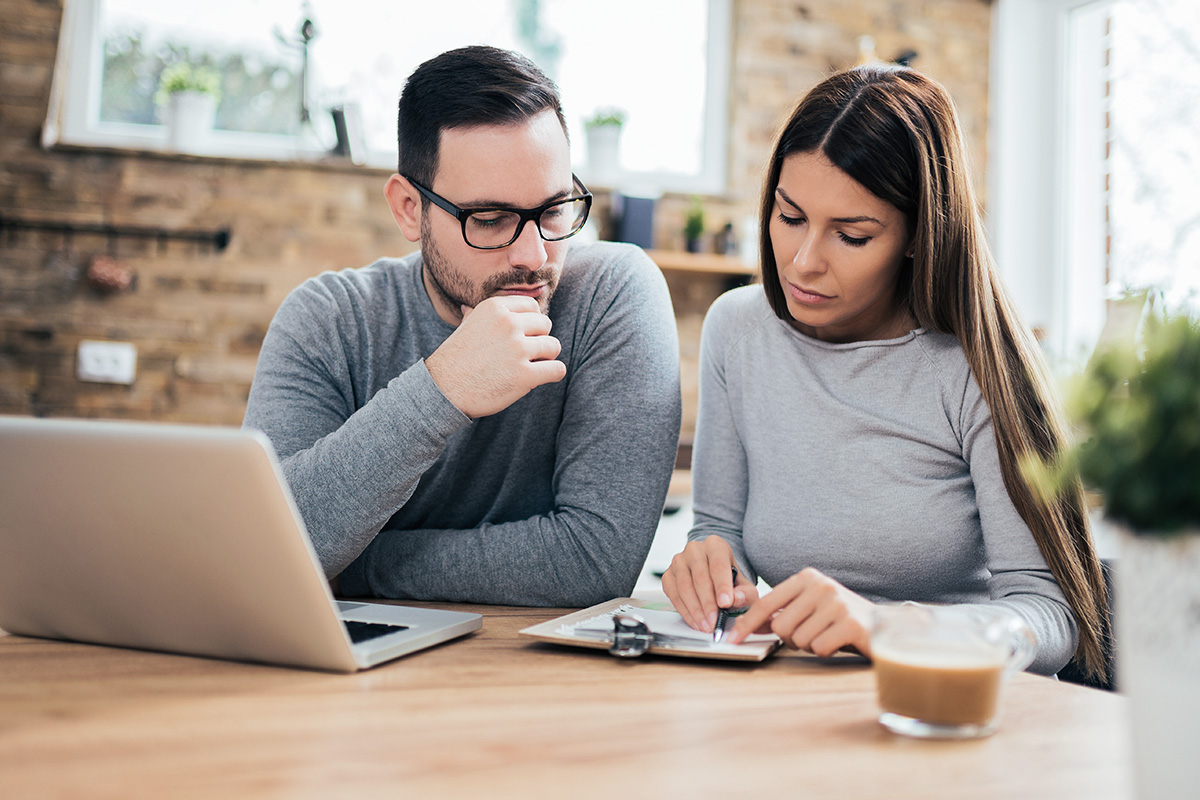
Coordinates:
939	669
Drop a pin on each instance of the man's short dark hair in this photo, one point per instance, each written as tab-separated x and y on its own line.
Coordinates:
462	88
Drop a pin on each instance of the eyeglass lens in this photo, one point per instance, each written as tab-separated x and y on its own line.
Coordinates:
498	228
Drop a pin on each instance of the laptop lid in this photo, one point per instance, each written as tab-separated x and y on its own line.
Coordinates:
177	538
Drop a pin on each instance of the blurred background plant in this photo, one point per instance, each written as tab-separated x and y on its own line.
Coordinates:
693	225
606	117
260	93
1136	414
184	77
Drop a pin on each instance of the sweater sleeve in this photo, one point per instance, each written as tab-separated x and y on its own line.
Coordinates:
615	450
720	474
343	465
1019	579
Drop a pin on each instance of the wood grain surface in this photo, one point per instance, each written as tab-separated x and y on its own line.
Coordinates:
498	715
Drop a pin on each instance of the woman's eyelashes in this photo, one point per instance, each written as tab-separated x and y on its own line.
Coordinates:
852	241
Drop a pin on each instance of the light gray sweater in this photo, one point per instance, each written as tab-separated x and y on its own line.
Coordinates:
553	501
874	462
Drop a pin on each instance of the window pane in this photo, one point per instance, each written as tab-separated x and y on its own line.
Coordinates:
260	85
648	58
1155	166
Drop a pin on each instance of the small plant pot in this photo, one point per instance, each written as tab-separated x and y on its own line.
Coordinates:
603	154
1158	658
190	117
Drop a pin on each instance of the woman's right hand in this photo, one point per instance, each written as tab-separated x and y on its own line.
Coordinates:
700	581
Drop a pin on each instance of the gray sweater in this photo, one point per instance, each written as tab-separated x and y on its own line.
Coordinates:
874	462
553	501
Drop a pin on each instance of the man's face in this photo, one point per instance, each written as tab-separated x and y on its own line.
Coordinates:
514	166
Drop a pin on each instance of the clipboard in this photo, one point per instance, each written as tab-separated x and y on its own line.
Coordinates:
584	629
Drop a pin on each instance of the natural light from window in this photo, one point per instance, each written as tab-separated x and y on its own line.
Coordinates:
656	71
1154	196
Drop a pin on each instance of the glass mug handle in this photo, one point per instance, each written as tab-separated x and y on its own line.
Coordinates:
1022	645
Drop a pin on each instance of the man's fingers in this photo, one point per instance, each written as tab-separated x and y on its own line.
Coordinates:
512	302
547	371
533	324
542	348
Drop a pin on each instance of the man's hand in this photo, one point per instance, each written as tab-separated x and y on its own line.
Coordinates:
501	350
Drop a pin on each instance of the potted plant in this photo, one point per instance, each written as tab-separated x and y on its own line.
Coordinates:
603	130
190	95
693	226
1138	447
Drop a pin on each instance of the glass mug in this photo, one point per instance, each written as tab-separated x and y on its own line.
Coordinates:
939	669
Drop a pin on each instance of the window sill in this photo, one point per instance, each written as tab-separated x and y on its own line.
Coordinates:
319	162
315	161
710	263
219	146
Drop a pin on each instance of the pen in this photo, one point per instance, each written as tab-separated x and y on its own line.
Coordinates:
723	617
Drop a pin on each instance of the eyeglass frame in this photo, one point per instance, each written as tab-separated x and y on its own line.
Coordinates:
525	214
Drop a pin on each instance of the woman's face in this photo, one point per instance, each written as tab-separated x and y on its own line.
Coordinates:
838	249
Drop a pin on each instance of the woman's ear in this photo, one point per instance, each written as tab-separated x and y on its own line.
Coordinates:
405	202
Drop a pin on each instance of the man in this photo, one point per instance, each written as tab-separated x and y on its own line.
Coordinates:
440	441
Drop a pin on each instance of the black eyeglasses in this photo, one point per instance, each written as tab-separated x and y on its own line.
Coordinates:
493	228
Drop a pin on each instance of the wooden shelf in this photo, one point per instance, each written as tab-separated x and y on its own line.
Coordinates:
711	263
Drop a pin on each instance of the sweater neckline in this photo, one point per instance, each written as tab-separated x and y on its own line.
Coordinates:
814	342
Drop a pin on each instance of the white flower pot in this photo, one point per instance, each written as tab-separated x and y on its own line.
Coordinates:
603	154
190	118
1157	593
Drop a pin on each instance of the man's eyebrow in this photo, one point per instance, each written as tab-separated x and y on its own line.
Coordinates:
488	204
846	220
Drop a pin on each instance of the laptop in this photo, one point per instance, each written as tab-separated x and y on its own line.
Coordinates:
183	539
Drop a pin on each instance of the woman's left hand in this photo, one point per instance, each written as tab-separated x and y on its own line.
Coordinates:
810	611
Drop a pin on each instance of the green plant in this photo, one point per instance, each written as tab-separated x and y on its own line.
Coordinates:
693	224
608	116
1138	442
184	77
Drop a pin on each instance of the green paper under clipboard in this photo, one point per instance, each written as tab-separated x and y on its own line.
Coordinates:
609	626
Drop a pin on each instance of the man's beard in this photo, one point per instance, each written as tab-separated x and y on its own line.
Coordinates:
456	290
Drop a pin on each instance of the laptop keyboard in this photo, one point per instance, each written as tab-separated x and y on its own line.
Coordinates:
364	631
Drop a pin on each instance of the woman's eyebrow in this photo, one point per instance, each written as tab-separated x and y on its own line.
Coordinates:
784	196
846	220
861	218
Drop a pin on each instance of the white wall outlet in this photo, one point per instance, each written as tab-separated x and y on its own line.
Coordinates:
106	362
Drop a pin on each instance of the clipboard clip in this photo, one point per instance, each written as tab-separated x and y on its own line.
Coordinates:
631	636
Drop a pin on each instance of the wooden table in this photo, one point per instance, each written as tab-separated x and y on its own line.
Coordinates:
495	715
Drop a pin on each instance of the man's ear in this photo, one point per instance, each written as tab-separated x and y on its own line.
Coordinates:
405	202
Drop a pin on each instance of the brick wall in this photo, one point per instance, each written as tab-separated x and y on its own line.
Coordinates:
197	315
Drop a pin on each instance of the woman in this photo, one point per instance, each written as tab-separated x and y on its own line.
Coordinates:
863	412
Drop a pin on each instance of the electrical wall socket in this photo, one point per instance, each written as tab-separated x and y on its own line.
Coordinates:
107	362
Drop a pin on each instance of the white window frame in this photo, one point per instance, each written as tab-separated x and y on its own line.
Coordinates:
1045	194
74	114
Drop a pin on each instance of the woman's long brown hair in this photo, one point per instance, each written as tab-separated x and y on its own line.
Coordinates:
896	132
